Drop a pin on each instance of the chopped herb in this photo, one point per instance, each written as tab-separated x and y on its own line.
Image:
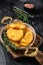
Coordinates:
7	41
22	15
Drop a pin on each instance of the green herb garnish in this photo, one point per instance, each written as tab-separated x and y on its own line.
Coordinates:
7	41
22	15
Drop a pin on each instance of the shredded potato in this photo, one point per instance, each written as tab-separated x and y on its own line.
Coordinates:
27	39
10	26
19	24
19	32
14	34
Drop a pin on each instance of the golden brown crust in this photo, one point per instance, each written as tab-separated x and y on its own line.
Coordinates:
14	34
19	24
18	31
27	39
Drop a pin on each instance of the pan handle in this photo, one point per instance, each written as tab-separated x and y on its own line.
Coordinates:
31	52
37	54
6	18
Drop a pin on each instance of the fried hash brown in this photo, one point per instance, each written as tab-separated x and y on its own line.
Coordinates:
27	39
18	25
14	34
19	32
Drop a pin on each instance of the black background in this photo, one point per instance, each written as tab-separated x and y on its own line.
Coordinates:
36	22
